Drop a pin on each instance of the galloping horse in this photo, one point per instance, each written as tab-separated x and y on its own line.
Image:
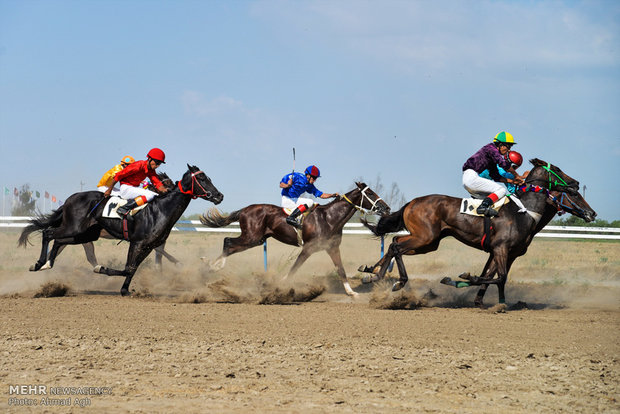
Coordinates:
428	219
89	247
80	220
321	229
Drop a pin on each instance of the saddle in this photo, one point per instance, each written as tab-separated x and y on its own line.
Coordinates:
113	203
288	211
469	205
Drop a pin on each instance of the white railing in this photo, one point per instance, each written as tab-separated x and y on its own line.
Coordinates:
562	232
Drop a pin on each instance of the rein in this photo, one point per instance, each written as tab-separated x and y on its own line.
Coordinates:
560	204
191	192
563	204
552	182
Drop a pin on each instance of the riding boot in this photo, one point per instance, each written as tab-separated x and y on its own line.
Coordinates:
292	219
123	210
486	209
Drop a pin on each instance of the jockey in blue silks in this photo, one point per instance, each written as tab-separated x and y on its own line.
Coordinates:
293	186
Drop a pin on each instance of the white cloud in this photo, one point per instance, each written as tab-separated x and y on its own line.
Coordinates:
417	36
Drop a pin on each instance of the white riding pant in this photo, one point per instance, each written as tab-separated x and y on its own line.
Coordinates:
478	186
115	190
293	203
129	192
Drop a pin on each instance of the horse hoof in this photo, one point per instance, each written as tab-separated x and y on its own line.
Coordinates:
447	281
46	266
366	279
125	292
397	286
365	269
465	276
34	267
97	269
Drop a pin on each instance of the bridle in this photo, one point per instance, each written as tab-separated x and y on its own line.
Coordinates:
191	191
563	204
364	197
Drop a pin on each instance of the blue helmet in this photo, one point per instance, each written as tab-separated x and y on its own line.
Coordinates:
313	171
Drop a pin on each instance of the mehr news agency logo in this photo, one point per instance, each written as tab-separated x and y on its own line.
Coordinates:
31	395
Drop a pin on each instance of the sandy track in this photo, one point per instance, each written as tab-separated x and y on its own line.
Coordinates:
162	356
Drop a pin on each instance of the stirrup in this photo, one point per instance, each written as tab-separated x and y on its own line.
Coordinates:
293	222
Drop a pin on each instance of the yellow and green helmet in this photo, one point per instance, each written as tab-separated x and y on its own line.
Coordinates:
504	137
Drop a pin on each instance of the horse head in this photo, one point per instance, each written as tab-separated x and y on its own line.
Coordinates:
562	187
365	198
197	184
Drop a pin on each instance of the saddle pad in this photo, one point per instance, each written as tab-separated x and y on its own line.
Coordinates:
113	203
469	205
289	211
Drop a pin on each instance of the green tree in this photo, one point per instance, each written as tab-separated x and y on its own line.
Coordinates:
25	205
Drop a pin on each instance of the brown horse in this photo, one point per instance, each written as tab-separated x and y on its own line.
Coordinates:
428	219
321	229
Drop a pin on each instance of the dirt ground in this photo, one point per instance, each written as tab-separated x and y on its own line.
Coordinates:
189	340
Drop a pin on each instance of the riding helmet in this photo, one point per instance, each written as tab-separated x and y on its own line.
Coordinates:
313	171
515	158
128	159
157	155
504	137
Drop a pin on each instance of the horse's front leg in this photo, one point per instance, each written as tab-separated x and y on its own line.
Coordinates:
138	251
334	253
89	249
159	252
402	271
306	252
478	301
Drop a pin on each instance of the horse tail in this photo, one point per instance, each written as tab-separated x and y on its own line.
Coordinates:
388	224
40	223
214	218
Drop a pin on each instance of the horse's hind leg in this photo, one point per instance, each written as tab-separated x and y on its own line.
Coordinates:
57	247
46	237
233	245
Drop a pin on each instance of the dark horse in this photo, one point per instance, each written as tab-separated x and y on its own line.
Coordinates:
89	248
428	219
321	229
80	220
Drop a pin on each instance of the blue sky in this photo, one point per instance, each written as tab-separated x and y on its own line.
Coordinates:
404	90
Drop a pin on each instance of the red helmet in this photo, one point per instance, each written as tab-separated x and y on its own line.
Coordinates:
313	171
157	155
515	158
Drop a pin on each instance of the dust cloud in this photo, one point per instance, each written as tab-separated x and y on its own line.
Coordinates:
553	274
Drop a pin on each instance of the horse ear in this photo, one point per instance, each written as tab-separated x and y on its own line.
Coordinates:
537	162
359	184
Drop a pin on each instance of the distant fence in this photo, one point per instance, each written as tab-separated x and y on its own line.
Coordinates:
561	232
